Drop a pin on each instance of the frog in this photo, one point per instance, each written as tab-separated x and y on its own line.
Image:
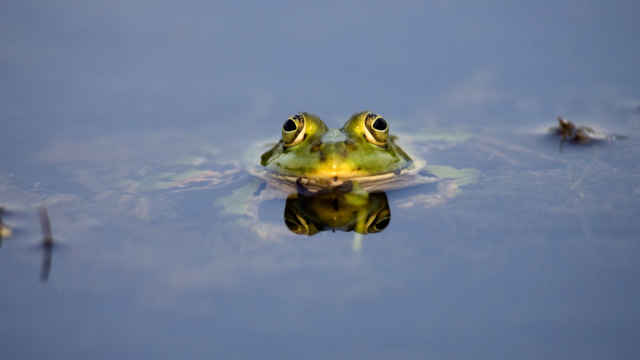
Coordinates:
317	157
337	178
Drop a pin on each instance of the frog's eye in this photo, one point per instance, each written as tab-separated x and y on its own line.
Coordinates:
376	129
293	130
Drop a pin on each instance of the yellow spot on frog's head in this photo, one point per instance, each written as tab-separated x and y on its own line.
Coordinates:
335	168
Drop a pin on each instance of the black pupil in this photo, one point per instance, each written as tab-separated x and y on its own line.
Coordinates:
380	124
289	125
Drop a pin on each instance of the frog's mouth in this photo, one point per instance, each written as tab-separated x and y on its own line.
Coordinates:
336	166
327	180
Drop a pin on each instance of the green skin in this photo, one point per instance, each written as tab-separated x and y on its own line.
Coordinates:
358	149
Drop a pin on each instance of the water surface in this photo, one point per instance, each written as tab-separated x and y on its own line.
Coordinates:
536	258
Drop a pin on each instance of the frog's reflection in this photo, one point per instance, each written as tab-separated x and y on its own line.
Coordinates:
359	211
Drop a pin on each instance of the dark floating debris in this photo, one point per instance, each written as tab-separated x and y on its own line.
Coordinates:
581	134
47	244
573	133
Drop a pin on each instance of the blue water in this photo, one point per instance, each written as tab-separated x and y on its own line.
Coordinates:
536	258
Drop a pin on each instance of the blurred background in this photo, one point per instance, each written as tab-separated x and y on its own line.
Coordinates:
80	68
